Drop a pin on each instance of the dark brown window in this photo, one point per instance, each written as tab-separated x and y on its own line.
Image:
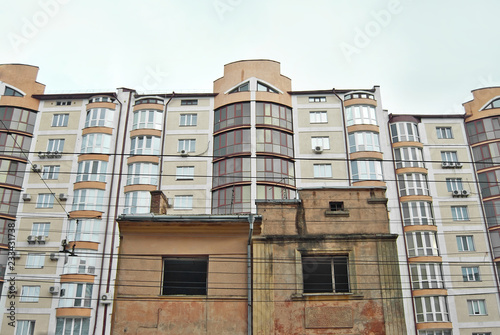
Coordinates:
336	206
185	275
325	274
189	102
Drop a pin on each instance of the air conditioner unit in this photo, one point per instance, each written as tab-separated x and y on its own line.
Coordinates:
91	270
54	256
456	193
41	239
49	154
57	154
54	289
26	196
17	254
106	298
36	168
446	164
318	149
458	165
41	154
184	153
465	193
63	196
31	239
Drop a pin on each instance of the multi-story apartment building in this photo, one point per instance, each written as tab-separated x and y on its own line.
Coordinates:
99	155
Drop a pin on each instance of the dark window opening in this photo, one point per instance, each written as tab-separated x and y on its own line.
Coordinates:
185	275
336	206
325	274
242	88
12	92
189	102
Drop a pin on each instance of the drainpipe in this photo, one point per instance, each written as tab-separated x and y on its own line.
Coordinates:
251	220
160	170
345	137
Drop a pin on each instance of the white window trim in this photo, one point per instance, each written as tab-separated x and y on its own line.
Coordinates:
477	307
318	117
183	202
323	141
322	170
184	173
35	261
29	293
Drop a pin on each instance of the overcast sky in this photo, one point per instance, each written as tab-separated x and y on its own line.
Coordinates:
426	55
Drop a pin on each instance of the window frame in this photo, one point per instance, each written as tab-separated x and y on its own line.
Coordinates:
323	141
40	229
477	307
188	120
339	283
322	170
55	145
187	145
35	260
60	120
181	276
184	172
21	327
45	200
454	184
460	213
318	117
29	293
444	132
422	243
183	202
50	172
465	243
189	102
432	309
80	328
471	274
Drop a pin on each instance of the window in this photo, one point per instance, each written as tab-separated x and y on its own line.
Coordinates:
359	96
431	309
188	120
40	229
35	261
148	119
242	88
270	140
12	172
99	117
84	263
426	275
72	326
476	307
17	119
45	200
55	145
84	230
14	144
266	192
184	172
101	99
317	99
412	184
449	156
272	169
29	293
63	103
75	295
92	171
404	131
322	170
318	117
363	141
325	274
273	114
482	130
482	333
435	332
465	243
422	243
237	169
185	275
459	213
25	327
88	200
454	184
189	102
232	200
470	273
9	200
186	146
336	206
366	170
417	213
145	145
494	104
261	87
96	144
137	202
360	114
50	172
12	92
149	101
233	115
489	183
323	141
408	157
183	202
235	141
444	132
60	120
142	173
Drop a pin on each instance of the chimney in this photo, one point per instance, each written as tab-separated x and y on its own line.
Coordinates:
158	202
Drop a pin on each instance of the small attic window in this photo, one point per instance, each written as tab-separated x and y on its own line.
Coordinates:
242	88
265	88
336	206
494	104
12	92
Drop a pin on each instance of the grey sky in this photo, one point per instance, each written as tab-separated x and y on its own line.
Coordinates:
426	55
